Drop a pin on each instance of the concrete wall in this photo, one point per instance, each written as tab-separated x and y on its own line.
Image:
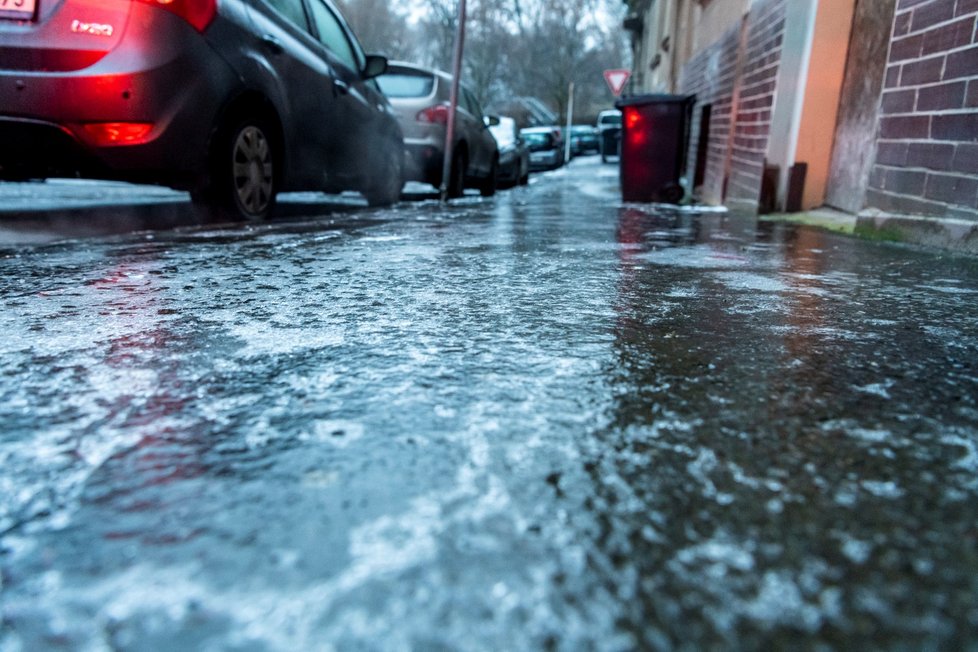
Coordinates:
716	19
663	35
927	152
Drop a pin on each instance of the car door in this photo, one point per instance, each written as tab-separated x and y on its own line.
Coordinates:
292	60
353	106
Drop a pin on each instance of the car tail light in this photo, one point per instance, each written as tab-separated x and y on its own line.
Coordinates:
436	115
118	133
198	13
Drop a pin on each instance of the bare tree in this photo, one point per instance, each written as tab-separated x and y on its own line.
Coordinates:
513	47
438	30
565	41
381	27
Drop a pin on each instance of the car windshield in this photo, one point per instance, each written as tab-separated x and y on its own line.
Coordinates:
398	84
537	141
613	120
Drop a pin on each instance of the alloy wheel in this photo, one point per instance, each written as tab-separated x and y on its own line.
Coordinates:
252	172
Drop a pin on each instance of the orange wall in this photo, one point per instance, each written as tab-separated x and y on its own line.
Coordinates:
826	69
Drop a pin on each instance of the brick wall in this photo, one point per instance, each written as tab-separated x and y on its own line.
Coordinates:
758	83
927	148
738	77
711	76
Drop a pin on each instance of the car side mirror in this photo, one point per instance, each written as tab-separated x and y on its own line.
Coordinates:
491	120
375	65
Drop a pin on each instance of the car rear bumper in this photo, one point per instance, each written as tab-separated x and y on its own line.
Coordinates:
425	159
178	88
547	160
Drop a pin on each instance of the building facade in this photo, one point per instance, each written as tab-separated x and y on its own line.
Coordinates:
853	104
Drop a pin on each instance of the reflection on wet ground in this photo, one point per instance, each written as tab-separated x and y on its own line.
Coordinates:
545	420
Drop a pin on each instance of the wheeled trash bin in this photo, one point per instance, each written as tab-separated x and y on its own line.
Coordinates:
654	139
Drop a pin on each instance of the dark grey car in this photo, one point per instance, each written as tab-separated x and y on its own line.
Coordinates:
514	157
233	100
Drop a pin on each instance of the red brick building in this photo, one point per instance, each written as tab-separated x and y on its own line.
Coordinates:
855	104
927	147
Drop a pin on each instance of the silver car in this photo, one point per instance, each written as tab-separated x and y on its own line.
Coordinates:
420	97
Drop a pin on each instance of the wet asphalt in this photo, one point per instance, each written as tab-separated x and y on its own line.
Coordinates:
542	421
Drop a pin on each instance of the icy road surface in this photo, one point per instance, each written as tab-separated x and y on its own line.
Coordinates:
545	420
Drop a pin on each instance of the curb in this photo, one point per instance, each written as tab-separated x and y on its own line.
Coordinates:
872	224
823	218
943	233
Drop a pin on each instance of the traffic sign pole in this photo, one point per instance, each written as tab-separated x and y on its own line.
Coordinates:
570	122
449	156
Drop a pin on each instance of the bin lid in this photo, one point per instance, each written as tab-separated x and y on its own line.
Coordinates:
653	98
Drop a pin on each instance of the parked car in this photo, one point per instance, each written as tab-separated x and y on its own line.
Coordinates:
514	157
546	149
609	133
420	97
558	133
584	139
234	100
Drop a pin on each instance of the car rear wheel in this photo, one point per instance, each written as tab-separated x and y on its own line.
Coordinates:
243	180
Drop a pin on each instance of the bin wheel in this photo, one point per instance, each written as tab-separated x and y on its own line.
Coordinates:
673	193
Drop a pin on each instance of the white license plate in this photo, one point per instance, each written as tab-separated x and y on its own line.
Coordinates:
18	9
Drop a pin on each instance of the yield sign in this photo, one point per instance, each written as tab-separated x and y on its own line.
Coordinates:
617	79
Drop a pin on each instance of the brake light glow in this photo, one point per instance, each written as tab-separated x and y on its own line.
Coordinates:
118	133
437	114
198	13
634	128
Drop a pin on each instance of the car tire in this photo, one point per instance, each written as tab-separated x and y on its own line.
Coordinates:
488	186
243	177
456	176
389	178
